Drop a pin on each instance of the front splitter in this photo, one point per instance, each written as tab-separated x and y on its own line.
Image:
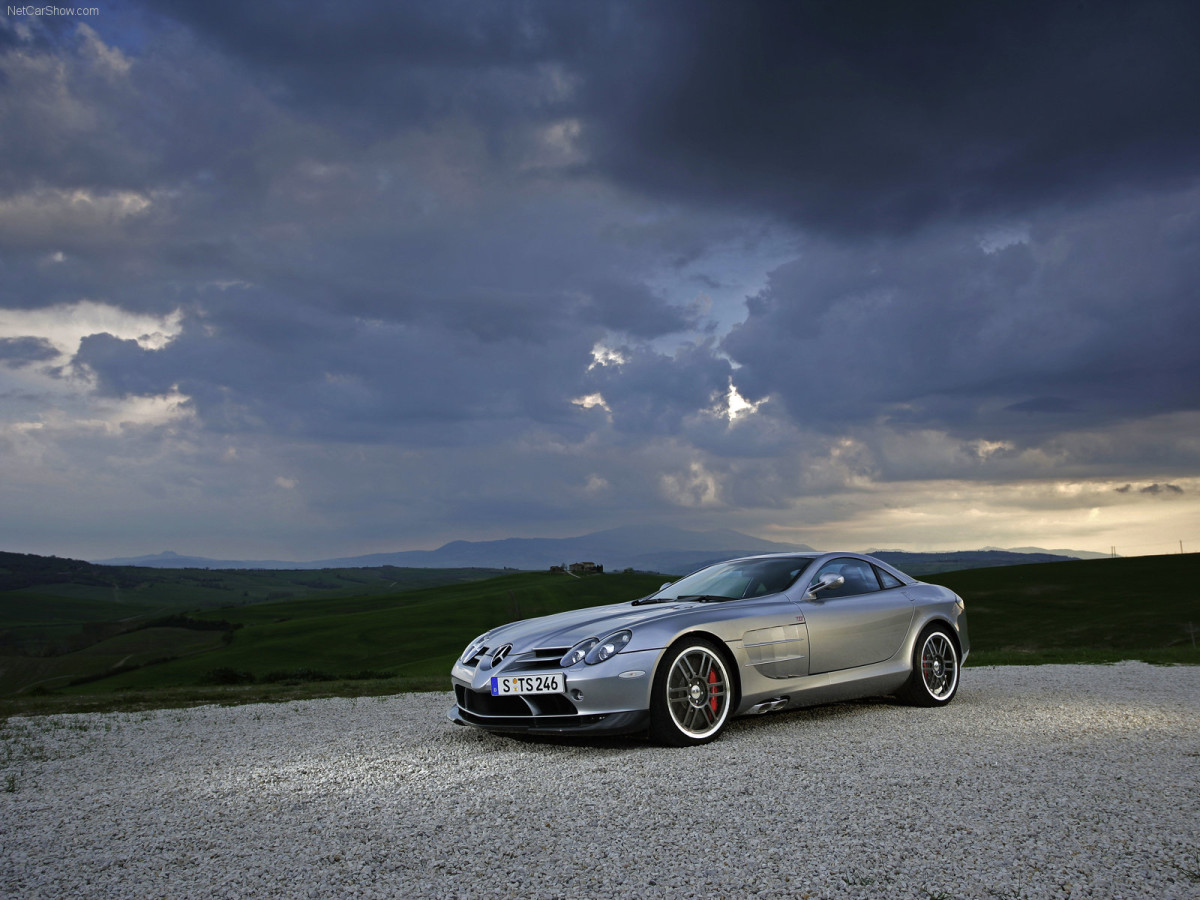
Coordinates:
630	722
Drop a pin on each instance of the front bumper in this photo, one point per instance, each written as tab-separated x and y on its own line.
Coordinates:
612	697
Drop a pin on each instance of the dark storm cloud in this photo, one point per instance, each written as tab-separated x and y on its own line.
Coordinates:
25	351
1089	317
318	374
633	308
124	368
861	117
884	116
332	287
1047	405
375	68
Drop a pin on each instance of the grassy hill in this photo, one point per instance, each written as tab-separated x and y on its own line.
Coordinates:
417	634
1141	607
179	589
49	605
412	636
65	621
1080	611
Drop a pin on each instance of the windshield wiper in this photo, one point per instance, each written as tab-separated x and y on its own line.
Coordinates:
693	598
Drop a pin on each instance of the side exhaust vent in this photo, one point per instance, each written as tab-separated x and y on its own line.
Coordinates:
767	706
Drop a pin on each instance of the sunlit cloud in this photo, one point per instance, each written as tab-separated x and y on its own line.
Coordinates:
46	211
65	325
606	356
737	405
593	401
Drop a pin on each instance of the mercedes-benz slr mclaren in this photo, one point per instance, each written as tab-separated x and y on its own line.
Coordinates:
742	637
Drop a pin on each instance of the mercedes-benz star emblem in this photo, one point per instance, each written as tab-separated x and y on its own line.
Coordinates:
500	654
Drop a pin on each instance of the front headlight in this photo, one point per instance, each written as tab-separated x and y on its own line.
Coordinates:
578	652
608	647
473	648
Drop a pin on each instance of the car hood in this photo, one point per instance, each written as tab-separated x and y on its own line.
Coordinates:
569	628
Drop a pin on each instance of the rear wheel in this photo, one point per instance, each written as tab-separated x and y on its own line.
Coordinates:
692	695
934	679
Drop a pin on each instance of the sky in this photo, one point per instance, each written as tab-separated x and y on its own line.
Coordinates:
299	281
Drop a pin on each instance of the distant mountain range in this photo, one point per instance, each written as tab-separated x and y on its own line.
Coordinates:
1074	554
653	548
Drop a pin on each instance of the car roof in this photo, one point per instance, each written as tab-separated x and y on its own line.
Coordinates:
821	554
799	554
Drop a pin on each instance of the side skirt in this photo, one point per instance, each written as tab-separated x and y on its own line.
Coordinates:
874	680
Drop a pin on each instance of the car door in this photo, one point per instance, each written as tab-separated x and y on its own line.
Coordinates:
775	638
858	623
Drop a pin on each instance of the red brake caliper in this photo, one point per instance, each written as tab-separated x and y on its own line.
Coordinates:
712	690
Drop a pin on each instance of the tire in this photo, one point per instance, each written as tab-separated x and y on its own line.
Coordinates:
936	664
692	696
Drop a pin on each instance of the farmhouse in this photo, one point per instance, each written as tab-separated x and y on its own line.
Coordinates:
579	568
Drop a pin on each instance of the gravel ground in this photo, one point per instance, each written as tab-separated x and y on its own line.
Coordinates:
1054	781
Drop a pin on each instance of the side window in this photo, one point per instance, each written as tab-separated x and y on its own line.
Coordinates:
774	577
888	580
859	575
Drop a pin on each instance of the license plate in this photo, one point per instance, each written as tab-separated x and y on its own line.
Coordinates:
512	685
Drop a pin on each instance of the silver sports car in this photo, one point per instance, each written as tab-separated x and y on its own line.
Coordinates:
741	637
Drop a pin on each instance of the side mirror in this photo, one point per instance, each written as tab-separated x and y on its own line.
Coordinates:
825	583
665	584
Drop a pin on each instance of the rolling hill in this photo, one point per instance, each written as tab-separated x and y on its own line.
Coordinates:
49	605
1142	607
415	633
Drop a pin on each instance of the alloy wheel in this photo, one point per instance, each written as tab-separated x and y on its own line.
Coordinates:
698	692
939	666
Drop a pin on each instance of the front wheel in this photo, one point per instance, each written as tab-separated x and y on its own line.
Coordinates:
934	679
692	694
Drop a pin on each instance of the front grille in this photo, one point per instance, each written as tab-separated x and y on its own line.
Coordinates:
541	660
528	706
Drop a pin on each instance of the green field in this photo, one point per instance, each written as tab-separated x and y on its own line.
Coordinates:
414	634
44	601
382	642
1143	607
62	621
411	637
158	591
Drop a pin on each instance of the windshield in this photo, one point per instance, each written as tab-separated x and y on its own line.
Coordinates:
735	580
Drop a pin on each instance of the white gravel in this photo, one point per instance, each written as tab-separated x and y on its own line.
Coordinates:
1055	781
